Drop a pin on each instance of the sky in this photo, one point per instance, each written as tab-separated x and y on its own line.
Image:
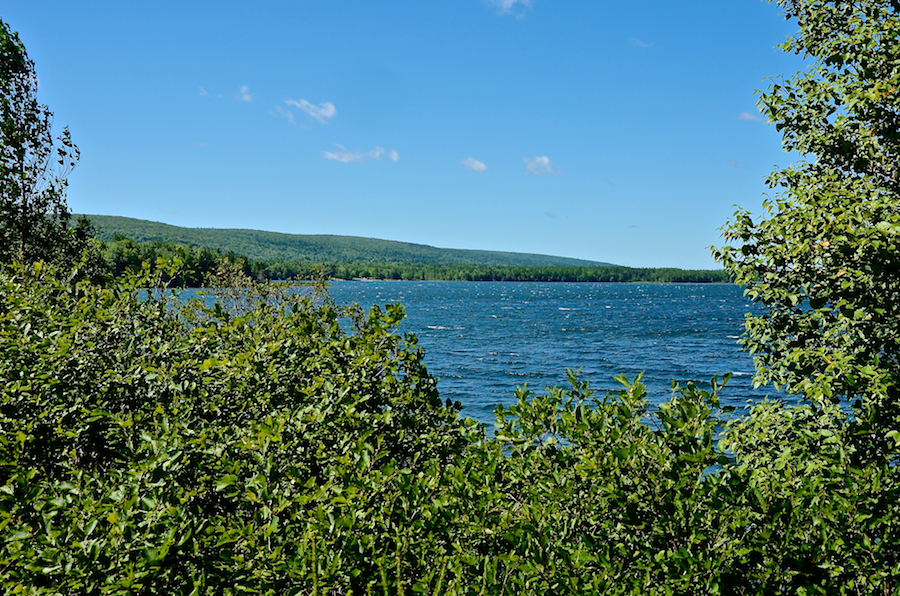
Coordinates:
622	132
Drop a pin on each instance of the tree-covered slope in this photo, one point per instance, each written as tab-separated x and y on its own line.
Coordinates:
274	246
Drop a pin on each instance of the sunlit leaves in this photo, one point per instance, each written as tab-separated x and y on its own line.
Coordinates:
265	440
825	260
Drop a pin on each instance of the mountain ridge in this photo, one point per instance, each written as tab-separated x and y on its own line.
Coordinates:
278	246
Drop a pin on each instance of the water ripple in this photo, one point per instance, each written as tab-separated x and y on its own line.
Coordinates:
483	339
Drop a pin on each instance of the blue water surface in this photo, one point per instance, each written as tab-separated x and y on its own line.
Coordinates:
484	339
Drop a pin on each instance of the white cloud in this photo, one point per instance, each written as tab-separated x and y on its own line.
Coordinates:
345	156
638	43
474	164
204	92
508	6
286	114
321	112
736	164
342	156
540	165
747	117
244	94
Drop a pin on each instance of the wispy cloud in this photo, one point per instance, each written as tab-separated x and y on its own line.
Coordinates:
321	112
204	93
610	182
747	117
345	156
540	165
638	43
473	164
737	165
244	94
286	114
509	6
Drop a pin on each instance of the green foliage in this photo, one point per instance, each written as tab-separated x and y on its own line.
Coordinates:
121	255
417	271
813	517
34	218
825	260
616	498
196	266
264	440
250	443
605	496
820	481
275	247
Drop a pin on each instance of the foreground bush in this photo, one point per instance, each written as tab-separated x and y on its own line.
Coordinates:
270	442
153	447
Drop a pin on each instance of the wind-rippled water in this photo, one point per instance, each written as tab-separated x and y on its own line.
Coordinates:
484	339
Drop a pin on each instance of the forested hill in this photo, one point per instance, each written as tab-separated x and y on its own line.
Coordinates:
274	246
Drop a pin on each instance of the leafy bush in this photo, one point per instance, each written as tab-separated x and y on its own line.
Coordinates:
267	441
150	446
824	261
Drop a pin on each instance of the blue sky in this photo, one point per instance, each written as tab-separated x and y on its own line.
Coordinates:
610	131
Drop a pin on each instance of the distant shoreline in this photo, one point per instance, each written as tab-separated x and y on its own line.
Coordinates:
127	243
438	272
374	279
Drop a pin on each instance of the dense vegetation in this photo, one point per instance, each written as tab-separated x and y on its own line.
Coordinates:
825	262
193	267
266	441
257	444
198	265
274	247
607	273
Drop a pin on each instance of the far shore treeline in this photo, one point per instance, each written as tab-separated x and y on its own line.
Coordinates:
122	255
125	243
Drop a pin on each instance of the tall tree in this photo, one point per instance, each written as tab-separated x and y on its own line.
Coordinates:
34	217
824	261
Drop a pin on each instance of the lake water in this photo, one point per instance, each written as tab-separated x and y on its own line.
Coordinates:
483	339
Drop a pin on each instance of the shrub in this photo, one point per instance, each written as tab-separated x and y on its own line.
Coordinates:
264	440
153	446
